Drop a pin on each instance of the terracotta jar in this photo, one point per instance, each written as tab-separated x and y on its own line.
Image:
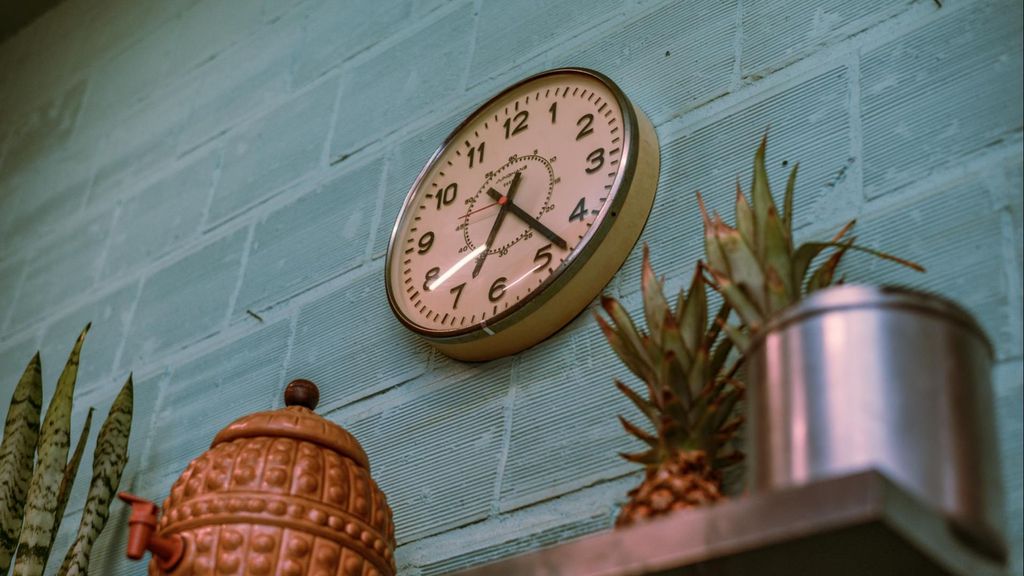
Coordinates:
283	493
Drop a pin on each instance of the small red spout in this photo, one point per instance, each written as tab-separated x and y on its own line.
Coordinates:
167	551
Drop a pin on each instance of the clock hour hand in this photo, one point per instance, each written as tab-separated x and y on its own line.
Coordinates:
512	188
530	220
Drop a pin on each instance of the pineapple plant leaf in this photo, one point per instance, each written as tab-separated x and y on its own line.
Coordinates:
17	456
755	265
689	403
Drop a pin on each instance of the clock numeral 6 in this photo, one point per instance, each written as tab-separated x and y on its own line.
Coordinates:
447	196
520	124
596	159
543	253
426	242
432	275
497	289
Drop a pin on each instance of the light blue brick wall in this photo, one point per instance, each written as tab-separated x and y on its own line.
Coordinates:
213	184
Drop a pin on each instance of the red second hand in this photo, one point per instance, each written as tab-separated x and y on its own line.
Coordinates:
502	201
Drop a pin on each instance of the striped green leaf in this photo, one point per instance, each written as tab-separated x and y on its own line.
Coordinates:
17	456
70	473
108	464
54	443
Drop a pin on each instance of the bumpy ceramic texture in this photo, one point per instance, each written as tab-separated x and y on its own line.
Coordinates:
284	493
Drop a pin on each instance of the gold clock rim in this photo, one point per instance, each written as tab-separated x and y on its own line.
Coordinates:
577	259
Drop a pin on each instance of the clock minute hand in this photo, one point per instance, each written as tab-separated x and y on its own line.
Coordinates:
530	220
512	188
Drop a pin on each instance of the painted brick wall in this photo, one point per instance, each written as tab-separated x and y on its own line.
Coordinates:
213	182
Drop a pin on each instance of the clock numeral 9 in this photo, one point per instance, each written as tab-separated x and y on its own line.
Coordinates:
543	253
585	121
476	151
432	275
447	196
426	242
596	159
520	120
497	289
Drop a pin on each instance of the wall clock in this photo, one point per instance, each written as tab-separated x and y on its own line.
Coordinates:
523	215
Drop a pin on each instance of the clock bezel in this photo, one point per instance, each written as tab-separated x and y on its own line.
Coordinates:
577	259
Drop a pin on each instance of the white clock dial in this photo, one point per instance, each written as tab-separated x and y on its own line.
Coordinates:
506	207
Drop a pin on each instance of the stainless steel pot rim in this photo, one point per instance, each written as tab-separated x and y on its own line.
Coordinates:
853	296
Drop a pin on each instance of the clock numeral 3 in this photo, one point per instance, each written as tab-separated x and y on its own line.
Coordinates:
426	242
447	196
586	121
596	159
432	275
497	289
520	124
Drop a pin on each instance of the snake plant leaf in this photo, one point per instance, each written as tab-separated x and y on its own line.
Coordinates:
70	472
108	464
17	456
54	443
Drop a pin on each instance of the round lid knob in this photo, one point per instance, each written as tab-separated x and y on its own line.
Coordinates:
302	393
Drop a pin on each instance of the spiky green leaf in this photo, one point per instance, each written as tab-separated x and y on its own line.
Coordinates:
655	305
641	404
761	195
822	277
54	443
778	259
70	472
712	249
693	316
17	456
628	355
745	269
639	433
745	218
648	458
108	464
787	202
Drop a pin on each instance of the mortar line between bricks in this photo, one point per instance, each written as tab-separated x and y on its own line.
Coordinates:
856	125
217	171
737	58
127	325
378	208
293	327
101	260
464	85
1011	275
508	410
242	269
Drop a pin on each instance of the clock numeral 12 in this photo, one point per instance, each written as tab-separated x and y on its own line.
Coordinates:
520	120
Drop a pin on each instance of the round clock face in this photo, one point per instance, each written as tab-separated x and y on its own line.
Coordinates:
513	207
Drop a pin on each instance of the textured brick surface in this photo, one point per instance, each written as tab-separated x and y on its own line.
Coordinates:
274	150
412	76
351	344
245	375
186	300
557	445
168	212
809	125
166	166
320	235
453	430
64	268
664	71
509	32
948	89
365	23
241	82
109	315
775	34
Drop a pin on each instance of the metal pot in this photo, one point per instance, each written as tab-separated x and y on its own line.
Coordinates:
856	378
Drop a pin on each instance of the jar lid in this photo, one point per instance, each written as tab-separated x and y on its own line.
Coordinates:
297	420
